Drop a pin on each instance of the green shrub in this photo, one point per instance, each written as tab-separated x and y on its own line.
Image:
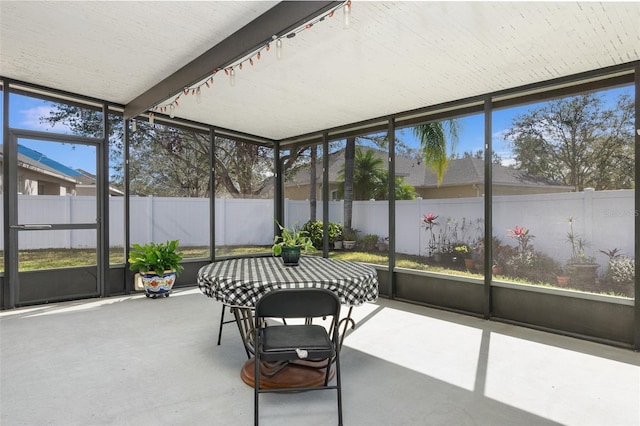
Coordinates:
532	266
621	269
315	232
369	241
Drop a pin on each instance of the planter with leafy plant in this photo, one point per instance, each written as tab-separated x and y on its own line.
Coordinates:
158	265
290	243
335	235
350	236
581	268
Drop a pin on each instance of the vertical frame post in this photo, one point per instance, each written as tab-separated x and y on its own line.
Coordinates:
488	208
212	195
325	193
391	135
636	322
128	276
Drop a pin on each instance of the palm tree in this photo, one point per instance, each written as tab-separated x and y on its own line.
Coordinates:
312	186
367	174
349	159
433	144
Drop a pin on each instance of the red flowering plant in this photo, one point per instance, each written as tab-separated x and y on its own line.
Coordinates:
428	222
523	237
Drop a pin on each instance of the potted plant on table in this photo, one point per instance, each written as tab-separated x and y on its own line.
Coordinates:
158	265
290	243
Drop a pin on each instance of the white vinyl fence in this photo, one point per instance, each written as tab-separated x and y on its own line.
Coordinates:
605	219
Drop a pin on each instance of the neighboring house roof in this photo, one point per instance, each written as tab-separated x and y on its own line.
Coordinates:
33	157
87	179
38	162
461	171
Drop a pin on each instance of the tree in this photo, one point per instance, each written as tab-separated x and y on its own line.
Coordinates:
577	141
403	190
242	169
479	155
367	174
433	144
371	179
349	159
312	183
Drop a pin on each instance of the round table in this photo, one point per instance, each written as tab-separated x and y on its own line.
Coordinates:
241	282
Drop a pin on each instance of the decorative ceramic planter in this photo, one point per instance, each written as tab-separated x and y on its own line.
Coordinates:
290	256
349	245
337	245
156	285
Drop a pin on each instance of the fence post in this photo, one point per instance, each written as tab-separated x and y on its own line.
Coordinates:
287	207
221	217
419	203
150	216
68	211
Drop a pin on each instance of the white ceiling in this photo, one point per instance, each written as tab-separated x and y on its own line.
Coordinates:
396	56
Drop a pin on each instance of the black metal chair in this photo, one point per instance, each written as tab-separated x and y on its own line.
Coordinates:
292	342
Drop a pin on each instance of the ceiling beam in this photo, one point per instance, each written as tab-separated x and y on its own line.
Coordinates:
278	21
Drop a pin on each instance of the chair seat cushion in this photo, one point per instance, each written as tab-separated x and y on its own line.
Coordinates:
283	339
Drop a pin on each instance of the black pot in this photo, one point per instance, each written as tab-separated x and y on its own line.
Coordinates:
290	256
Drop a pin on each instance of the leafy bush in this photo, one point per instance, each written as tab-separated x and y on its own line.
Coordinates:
369	241
335	232
315	232
532	266
621	269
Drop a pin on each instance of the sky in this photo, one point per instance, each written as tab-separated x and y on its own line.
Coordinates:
26	112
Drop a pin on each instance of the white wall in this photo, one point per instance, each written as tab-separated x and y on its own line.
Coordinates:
603	218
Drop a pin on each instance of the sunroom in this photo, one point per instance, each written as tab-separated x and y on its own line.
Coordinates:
211	122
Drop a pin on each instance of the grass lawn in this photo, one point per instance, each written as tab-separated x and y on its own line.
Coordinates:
30	260
61	258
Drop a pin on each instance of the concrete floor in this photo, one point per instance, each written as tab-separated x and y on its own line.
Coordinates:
138	361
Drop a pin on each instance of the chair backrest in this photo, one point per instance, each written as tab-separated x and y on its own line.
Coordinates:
298	303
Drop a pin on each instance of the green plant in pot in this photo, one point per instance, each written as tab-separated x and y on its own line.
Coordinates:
350	236
290	243
581	267
335	235
158	265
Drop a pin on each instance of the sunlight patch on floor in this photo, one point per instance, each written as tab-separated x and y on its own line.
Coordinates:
558	383
82	305
443	350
